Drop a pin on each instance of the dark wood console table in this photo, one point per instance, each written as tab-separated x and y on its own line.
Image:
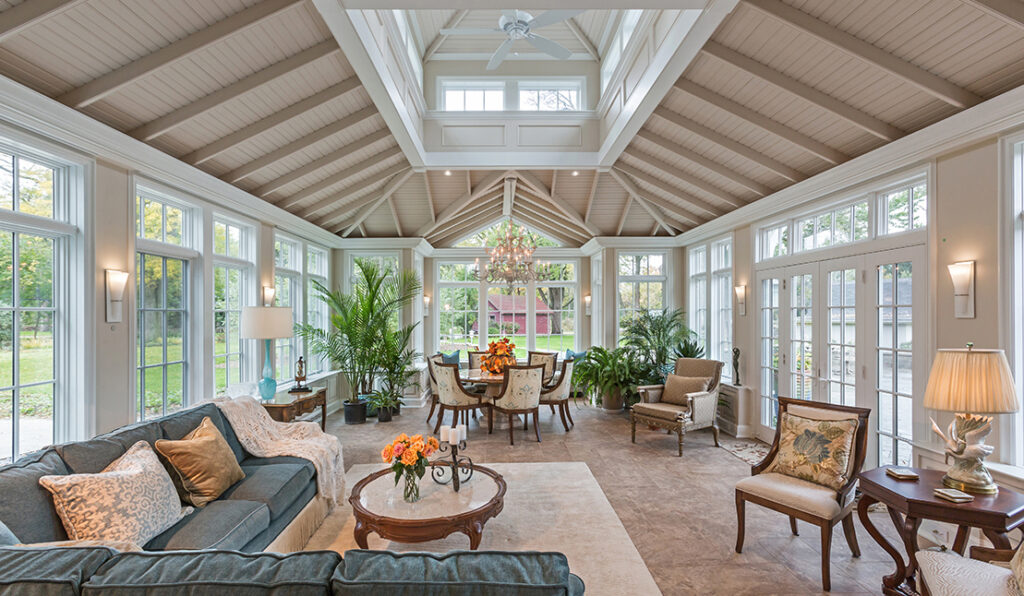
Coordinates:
285	407
909	502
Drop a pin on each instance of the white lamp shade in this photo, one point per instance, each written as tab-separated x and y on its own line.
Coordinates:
267	322
971	381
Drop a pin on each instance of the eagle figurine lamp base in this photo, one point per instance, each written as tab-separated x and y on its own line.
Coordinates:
965	443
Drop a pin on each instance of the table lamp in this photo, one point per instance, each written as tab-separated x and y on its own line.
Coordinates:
267	323
970	383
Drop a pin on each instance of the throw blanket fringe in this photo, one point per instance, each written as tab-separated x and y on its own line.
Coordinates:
263	436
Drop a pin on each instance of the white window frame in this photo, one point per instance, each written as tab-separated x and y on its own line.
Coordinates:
510	87
297	291
477	84
245	262
316	364
438	306
573	84
716	307
665	279
1011	427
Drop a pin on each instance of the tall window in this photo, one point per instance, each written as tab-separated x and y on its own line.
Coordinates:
641	284
507	316
317	313
842	337
895	359
232	289
697	314
555	308
710	294
770	351
162	304
458	305
288	283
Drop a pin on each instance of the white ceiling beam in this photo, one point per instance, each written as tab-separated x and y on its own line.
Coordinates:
654	229
16	19
439	39
581	36
111	82
430	198
688	219
865	122
922	79
540	213
659	220
394	216
701	161
508	196
796	138
670	190
625	212
536	223
362	231
1010	12
337	201
544	209
353	170
329	159
486	203
298	108
285	151
689	179
554	181
531	180
172	120
590	195
451	210
466	226
370	206
734	146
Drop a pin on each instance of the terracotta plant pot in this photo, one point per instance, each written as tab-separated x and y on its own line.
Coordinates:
612	402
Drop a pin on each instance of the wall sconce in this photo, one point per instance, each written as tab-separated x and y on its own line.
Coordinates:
268	295
116	282
962	274
741	300
426	305
586	305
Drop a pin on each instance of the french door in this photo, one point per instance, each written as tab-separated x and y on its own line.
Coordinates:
841	331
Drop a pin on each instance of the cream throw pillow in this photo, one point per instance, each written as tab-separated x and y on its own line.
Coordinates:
202	462
817	451
677	388
132	500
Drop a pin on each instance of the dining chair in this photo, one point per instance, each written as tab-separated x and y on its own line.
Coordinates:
548	359
476	359
453	396
557	395
431	361
520	394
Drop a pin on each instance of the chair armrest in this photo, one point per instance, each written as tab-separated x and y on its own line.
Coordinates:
650	394
703	407
991	555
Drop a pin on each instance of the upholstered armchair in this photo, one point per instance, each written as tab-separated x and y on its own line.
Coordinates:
801	476
452	395
557	395
476	359
546	359
945	573
697	410
431	361
520	394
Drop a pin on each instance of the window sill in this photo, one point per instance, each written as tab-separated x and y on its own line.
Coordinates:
285	385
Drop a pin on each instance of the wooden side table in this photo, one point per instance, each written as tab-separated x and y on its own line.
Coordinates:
286	407
910	501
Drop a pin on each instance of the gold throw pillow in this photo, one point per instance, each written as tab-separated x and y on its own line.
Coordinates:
817	451
676	388
204	462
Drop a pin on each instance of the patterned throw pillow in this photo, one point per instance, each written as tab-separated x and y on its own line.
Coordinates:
132	500
202	462
452	358
677	388
817	451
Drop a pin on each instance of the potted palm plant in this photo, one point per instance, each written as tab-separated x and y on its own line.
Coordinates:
654	335
610	375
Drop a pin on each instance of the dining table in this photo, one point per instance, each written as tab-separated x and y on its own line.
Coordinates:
493	381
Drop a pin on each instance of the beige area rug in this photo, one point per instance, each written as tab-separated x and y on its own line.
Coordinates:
548	507
751	451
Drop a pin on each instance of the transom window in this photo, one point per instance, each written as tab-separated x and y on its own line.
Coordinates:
473	96
26	186
160	221
549	97
842	225
511	94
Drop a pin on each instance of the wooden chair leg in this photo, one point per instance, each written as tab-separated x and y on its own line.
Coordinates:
714	431
679	432
536	426
552	406
490	420
433	406
568	413
526	422
741	519
792	526
851	534
440	419
561	414
632	423
826	557
455	417
511	430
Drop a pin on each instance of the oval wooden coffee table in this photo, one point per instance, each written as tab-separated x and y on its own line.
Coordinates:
378	507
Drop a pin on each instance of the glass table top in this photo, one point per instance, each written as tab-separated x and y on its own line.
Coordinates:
383	497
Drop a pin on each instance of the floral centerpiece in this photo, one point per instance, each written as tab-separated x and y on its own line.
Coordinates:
408	457
500	355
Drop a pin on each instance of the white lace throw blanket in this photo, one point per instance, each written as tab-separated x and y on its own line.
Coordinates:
263	436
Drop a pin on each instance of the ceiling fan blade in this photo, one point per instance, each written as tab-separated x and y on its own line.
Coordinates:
499	54
471	31
549	47
510	14
551	17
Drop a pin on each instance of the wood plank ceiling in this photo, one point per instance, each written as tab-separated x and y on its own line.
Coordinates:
258	93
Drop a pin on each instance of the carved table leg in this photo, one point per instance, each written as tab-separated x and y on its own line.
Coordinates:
475	533
909	532
891	584
360	533
963	536
999	539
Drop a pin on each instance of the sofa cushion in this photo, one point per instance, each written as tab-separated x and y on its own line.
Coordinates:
7	537
279	459
26	507
202	464
132	434
470	573
49	571
216	572
659	410
793	492
275	485
278	524
221	524
678	388
89	457
949	574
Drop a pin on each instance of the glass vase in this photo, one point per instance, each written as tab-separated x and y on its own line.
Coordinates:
411	494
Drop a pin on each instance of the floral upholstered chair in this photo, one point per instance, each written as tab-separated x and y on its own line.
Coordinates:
547	359
431	362
689	401
945	573
476	359
558	395
452	395
810	471
520	394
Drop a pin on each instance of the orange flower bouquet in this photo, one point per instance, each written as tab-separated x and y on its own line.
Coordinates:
408	457
500	355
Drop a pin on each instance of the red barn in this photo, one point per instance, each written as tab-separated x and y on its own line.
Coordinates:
512	312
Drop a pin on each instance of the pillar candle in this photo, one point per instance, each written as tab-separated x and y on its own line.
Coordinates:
462	432
444	433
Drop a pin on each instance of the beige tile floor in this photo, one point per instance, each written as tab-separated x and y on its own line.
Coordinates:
679	512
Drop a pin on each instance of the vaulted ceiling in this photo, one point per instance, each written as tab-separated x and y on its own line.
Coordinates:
259	94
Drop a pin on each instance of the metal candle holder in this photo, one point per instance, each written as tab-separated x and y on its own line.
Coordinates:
445	472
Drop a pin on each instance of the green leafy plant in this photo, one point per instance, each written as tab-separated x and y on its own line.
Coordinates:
689	348
607	372
654	334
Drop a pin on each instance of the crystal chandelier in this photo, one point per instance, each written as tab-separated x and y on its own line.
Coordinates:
511	261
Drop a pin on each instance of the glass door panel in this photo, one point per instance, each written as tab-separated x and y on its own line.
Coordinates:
801	336
841	336
769	294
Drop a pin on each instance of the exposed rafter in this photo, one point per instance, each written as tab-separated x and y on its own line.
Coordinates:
688	219
539	213
655	213
302	106
590	195
467	226
104	85
353	170
371	206
798	139
725	142
16	19
543	226
536	184
471	211
581	36
451	24
669	190
922	79
678	174
545	209
1008	11
866	122
622	218
707	164
509	196
329	159
394	216
430	198
450	211
168	122
339	202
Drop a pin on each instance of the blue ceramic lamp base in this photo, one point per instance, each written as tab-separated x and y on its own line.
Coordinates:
268	386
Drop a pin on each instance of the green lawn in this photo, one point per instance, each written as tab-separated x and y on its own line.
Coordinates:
545	343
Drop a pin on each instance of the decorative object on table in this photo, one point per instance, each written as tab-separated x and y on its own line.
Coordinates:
953	495
363	339
267	323
970	382
500	355
511	260
687	401
903	473
408	458
736	367
300	377
460	469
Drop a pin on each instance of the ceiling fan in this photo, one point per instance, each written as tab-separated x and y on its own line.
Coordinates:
519	24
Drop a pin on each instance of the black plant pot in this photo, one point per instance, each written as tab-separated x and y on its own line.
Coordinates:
384	415
355	412
397	410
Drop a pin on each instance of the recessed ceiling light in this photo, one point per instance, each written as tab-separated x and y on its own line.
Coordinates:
575	173
447	172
